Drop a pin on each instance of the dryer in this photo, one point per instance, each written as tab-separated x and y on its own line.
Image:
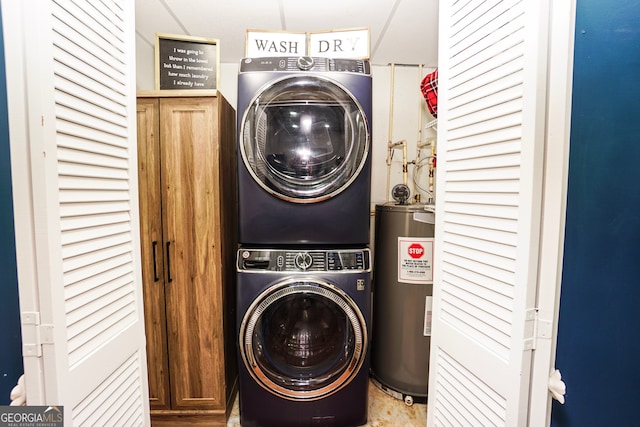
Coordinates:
303	321
304	151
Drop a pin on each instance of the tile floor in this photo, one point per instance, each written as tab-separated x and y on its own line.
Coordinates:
384	411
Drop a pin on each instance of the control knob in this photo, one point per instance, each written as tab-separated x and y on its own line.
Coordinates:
305	63
303	260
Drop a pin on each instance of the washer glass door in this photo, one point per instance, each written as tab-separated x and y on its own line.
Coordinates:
304	138
303	340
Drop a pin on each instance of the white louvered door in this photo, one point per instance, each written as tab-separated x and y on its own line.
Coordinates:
492	71
73	143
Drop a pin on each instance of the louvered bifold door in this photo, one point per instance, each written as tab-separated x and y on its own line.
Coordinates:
79	81
492	59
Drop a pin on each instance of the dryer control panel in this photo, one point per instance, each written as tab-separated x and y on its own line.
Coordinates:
345	260
305	63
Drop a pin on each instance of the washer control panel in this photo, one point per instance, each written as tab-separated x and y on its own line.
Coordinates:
347	260
305	63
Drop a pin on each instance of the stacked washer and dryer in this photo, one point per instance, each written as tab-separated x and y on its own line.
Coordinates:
304	264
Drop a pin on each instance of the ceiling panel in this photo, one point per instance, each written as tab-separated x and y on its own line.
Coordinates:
152	17
227	21
402	31
412	36
335	14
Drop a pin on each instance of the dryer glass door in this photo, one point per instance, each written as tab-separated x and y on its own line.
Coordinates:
303	340
304	138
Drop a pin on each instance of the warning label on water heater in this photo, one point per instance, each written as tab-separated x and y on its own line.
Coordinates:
415	260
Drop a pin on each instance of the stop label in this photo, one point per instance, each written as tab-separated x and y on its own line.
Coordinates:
416	250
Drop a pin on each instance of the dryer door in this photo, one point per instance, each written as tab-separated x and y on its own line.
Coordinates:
304	138
303	339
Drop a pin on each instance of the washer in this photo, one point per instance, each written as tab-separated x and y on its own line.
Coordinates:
304	144
303	321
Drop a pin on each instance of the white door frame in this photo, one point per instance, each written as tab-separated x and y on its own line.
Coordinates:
559	92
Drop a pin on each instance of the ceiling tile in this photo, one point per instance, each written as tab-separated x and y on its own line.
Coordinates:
402	31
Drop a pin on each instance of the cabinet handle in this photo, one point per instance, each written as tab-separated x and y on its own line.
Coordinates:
154	244
169	279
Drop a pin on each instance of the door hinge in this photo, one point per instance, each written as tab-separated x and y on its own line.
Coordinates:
537	326
34	334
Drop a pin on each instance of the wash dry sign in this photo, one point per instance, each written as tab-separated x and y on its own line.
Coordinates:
350	43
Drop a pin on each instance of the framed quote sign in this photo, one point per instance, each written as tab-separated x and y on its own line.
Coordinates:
186	63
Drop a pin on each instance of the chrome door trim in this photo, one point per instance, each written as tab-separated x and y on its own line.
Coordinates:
293	286
323	196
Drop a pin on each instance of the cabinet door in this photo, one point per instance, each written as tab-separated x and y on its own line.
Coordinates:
190	198
151	249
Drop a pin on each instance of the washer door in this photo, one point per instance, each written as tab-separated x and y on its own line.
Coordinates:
303	339
304	138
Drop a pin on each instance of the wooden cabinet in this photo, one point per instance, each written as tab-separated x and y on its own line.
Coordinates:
188	215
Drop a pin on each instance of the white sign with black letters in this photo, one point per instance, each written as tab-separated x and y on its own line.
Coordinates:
350	43
340	44
275	43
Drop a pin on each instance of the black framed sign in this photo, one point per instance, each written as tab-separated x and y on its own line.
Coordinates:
186	63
